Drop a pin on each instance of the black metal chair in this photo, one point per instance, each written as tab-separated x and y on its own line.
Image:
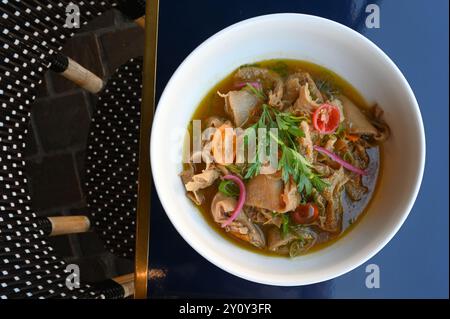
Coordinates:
111	166
112	159
32	34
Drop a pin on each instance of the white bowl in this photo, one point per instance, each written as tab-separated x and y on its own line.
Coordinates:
336	47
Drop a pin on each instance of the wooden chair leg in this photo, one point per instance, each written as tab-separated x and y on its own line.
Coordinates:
140	22
76	73
64	225
127	283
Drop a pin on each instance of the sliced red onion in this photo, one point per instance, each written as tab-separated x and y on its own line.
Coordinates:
339	160
241	200
255	84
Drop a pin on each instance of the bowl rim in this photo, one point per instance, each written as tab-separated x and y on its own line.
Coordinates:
366	255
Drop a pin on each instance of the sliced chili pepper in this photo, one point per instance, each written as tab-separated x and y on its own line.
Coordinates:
326	118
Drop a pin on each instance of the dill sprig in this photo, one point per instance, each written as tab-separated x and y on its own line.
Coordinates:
293	164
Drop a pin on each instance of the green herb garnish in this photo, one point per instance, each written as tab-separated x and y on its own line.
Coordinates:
289	123
348	157
281	68
292	163
340	130
265	121
229	188
288	130
327	88
284	225
253	169
259	93
249	65
235	169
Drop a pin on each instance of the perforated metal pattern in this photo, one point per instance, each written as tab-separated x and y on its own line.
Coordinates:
112	159
32	30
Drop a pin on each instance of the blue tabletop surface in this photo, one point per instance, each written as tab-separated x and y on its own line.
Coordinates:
415	263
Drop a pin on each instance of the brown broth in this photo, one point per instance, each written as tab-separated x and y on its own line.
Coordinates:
213	105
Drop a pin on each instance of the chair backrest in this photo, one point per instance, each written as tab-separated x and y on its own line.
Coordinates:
112	159
32	31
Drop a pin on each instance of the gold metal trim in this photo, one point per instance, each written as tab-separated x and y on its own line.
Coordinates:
144	177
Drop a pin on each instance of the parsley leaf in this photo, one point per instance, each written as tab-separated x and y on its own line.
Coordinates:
292	164
295	165
253	169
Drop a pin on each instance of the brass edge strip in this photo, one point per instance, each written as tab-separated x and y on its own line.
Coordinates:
144	177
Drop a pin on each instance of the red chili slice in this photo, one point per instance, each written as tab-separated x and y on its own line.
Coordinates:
305	214
326	118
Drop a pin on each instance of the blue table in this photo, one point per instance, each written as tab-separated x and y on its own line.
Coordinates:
415	264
